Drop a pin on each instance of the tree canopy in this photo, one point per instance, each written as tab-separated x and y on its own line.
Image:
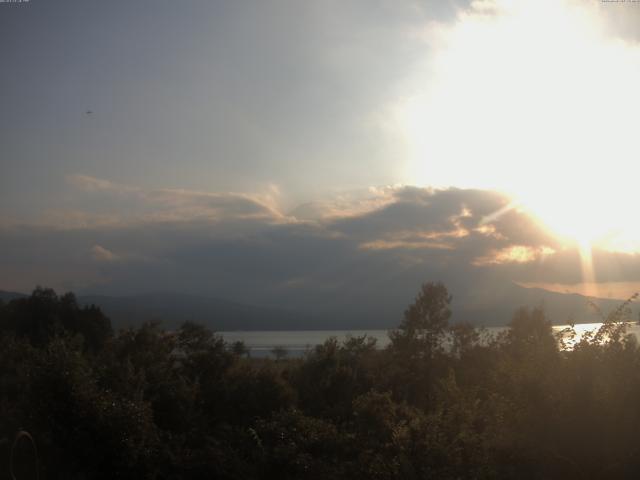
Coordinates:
441	401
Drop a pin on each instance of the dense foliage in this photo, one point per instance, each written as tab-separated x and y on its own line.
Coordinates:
441	401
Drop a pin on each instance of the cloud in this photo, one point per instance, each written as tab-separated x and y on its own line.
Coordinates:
514	254
505	105
93	184
125	205
293	92
346	204
243	248
185	205
299	93
102	254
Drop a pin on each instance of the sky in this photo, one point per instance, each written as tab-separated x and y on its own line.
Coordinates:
305	153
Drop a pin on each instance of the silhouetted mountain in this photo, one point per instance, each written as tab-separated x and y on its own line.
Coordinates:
561	308
8	296
490	307
217	314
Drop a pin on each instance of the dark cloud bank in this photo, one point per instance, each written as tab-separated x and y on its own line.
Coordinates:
356	264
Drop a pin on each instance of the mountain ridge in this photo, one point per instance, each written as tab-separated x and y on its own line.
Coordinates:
171	309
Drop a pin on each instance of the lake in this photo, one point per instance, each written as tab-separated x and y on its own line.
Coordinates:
297	342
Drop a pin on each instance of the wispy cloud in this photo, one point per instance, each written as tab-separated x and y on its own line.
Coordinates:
240	246
514	254
101	254
135	205
93	184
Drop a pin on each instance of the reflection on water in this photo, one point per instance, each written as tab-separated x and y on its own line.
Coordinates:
296	342
583	329
261	343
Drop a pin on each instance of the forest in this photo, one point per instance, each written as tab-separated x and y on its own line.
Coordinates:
79	400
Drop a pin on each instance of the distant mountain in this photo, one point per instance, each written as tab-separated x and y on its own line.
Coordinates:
561	308
8	296
493	307
173	309
218	314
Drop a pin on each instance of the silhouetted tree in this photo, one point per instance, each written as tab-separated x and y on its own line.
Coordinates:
239	348
417	345
439	402
279	352
43	315
425	322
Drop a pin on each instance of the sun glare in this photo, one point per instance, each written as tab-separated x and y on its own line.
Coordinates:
547	116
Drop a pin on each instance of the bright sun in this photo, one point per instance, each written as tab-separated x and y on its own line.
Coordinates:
549	116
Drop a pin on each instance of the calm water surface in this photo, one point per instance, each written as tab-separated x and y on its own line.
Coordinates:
297	342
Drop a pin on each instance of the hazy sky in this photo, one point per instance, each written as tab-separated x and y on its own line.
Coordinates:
280	148
205	95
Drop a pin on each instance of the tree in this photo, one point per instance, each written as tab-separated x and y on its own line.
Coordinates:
279	352
43	315
239	348
530	335
425	322
416	346
464	337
